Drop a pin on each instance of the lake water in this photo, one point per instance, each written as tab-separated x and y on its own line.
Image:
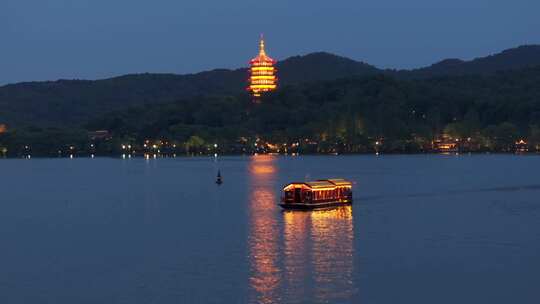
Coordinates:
423	229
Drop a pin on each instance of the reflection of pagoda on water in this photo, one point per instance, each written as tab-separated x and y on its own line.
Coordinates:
262	73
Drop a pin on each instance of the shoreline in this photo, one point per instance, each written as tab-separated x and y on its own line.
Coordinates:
160	156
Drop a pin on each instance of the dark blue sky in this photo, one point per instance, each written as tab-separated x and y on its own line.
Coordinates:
51	39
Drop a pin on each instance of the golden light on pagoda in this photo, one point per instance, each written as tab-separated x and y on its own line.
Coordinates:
262	76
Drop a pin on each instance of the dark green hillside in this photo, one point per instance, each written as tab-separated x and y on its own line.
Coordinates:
321	66
70	102
73	102
512	59
352	113
327	102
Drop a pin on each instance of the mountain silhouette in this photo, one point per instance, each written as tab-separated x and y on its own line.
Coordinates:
71	102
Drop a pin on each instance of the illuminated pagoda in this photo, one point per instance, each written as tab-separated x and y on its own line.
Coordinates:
262	76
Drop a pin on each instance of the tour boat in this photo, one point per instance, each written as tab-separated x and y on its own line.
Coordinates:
327	193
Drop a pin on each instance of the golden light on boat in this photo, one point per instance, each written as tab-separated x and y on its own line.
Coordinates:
317	194
262	73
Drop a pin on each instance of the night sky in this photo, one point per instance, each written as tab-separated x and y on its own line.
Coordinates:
89	39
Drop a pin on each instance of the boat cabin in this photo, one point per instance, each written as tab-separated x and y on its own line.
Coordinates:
328	192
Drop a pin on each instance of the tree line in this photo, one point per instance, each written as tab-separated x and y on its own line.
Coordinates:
348	115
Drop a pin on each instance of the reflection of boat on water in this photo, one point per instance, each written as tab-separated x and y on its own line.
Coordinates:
318	255
338	213
320	194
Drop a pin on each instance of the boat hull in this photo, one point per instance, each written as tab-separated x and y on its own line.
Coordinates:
315	206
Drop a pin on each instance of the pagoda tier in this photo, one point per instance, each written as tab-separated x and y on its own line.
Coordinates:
262	73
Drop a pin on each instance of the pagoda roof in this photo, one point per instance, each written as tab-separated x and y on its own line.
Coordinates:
262	57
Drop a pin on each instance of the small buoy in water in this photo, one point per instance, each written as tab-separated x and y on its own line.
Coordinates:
219	179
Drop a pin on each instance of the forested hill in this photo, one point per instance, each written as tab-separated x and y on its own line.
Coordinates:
353	114
504	106
512	59
70	102
74	102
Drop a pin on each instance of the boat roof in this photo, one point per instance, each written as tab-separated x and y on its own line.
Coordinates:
324	183
340	182
320	184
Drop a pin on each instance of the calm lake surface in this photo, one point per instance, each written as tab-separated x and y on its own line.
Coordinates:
423	229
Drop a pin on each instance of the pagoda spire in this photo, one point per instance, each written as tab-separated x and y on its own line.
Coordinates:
262	52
